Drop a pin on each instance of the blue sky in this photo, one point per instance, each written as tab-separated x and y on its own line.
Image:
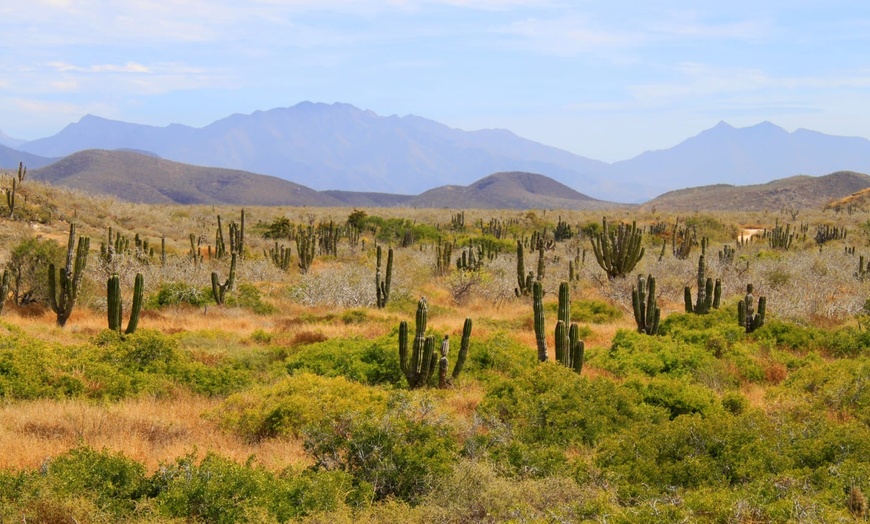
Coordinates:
603	79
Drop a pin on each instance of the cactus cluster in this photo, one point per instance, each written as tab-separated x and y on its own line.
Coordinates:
569	348
305	247
747	317
563	231
419	366
618	251
382	287
826	233
780	237
457	221
709	294
64	283
113	301
443	256
280	256
643	301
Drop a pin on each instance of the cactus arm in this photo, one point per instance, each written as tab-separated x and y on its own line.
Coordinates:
538	309
136	308
463	349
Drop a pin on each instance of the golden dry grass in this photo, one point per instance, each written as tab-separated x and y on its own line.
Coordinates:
151	431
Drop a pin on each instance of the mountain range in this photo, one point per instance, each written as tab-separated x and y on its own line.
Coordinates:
341	148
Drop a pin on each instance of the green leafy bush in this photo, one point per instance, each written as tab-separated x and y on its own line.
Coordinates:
367	361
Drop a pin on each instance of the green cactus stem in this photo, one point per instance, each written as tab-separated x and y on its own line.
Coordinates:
113	299
382	287
306	245
709	295
219	290
746	314
643	301
10	198
4	288
538	309
463	349
419	368
64	284
618	251
524	281
569	348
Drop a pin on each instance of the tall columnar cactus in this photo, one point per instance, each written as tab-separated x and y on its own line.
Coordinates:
64	284
538	310
280	256
4	288
219	290
780	237
617	252
524	281
643	301
463	349
569	347
709	295
10	198
423	359
305	247
113	299
382	287
746	314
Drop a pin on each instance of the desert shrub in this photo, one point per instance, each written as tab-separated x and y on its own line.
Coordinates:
28	266
590	311
496	356
367	361
249	297
549	404
288	407
734	402
401	453
178	293
676	396
842	342
113	481
839	387
635	353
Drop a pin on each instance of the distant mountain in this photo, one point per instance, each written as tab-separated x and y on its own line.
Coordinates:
342	148
513	190
8	141
750	155
362	199
9	159
141	178
797	192
336	146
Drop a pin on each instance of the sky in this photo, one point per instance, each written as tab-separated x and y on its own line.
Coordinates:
603	79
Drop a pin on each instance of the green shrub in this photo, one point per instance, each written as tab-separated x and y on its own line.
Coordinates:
367	361
114	482
249	297
288	407
590	311
178	293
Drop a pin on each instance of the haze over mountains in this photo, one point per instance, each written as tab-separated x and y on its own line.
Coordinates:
343	148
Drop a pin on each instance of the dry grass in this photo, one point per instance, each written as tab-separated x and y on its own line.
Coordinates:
151	431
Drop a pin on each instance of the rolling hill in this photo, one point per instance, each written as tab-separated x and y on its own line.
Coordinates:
142	178
796	192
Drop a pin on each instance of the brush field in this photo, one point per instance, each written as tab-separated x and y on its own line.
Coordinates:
288	402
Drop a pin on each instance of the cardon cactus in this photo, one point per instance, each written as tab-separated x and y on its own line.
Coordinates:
219	290
746	314
709	295
382	287
524	281
113	299
643	301
538	310
64	284
619	251
569	348
4	288
423	359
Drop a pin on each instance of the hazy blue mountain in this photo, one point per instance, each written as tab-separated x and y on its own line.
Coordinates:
9	159
335	146
741	156
8	141
340	147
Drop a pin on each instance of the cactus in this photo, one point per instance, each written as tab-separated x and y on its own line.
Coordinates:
643	301
113	300
4	288
617	252
10	198
219	290
563	231
382	288
280	256
746	315
463	349
569	347
305	246
538	309
780	237
443	255
524	282
423	358
709	294
62	295
726	256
